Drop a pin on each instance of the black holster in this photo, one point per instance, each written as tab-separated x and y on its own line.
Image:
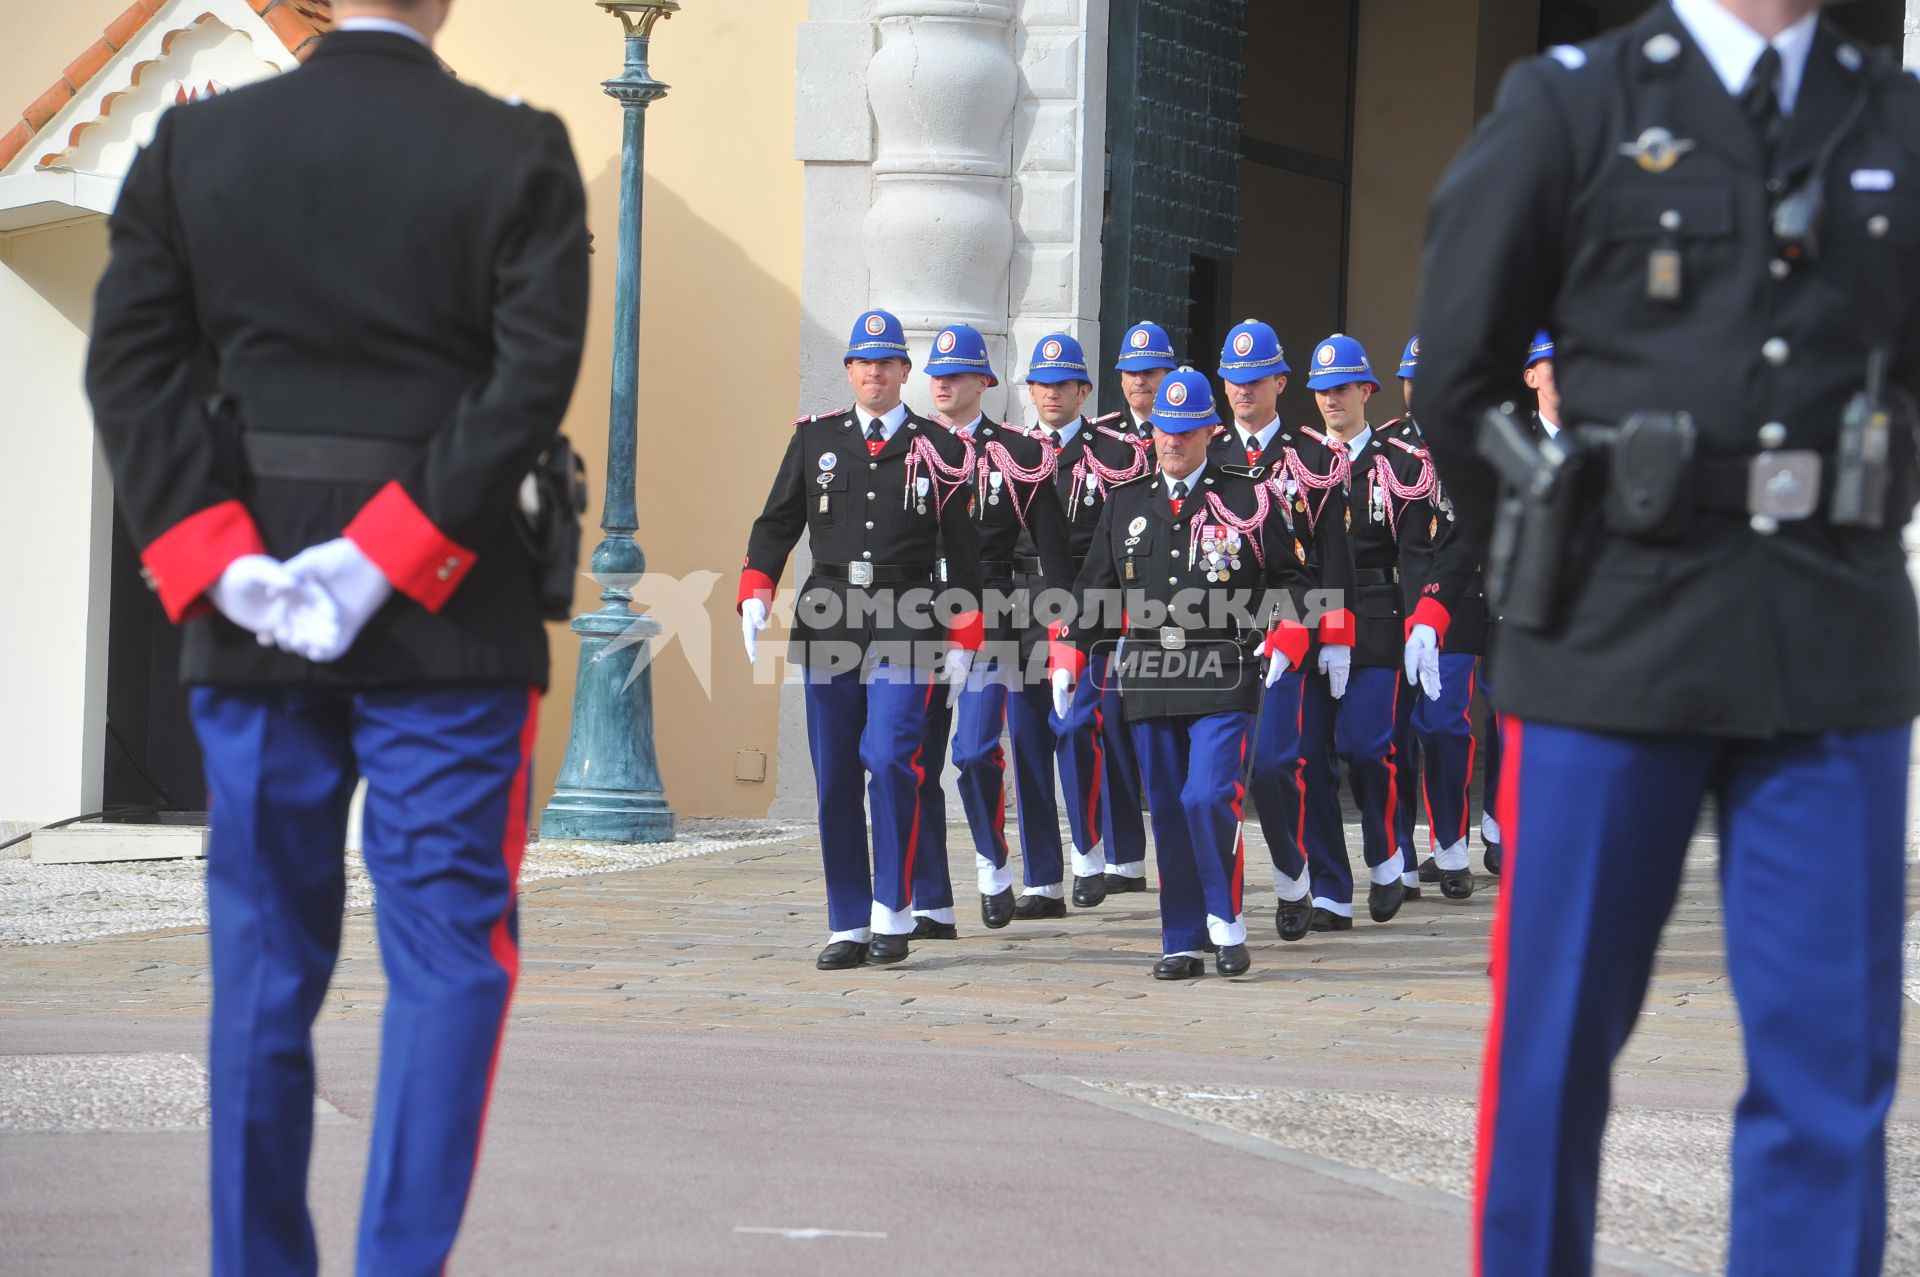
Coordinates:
551	533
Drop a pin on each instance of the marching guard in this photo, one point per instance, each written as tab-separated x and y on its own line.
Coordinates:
885	496
1089	459
1205	542
1014	496
1146	357
1305	474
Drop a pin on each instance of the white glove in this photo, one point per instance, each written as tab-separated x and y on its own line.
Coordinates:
1062	692
254	593
753	619
1423	660
339	572
1337	664
1278	665
959	661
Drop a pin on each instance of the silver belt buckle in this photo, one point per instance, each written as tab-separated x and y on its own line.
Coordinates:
1172	637
1784	486
859	574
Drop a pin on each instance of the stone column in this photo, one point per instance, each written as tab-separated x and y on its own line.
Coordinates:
938	237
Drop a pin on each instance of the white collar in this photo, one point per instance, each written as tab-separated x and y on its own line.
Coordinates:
1067	432
966	431
1357	445
1732	47
387	26
1192	480
889	420
1551	427
1261	437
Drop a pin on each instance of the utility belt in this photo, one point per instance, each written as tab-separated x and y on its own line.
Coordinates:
996	571
1174	637
551	500
1650	486
864	573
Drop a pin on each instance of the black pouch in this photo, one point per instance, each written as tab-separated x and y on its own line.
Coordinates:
553	498
1650	476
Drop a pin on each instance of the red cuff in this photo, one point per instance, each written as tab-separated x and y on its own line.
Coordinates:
1290	639
1429	611
968	631
1336	628
754	584
1062	655
185	561
421	561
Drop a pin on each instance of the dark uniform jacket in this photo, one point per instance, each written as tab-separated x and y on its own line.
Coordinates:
1390	526
1550	219
1302	470
1101	453
361	251
894	513
1145	557
1014	498
1446	570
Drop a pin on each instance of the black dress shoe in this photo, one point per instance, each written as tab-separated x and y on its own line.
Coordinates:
1118	884
1384	900
997	910
930	929
884	949
1429	871
1328	920
1413	893
1028	908
1456	884
1179	967
1492	859
1232	960
842	955
1292	918
1089	890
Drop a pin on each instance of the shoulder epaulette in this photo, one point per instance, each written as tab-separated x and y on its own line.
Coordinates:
1255	473
1128	483
821	416
1112	416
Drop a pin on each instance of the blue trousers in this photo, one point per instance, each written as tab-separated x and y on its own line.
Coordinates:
976	725
1813	951
1490	775
1359	730
868	726
1122	824
448	772
1192	769
1278	781
1445	731
1406	777
1080	745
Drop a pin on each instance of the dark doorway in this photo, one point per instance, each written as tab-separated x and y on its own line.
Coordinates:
153	769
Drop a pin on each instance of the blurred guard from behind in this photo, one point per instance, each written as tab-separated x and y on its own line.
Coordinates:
352	367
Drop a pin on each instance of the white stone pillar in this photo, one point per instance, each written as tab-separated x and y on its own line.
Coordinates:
1912	50
939	234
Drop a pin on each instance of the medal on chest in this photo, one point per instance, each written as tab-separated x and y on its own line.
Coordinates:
1376	499
994	481
1219	551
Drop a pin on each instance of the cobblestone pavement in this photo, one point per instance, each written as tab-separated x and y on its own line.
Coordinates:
673	1048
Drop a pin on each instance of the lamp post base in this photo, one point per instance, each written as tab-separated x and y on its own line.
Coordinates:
609	786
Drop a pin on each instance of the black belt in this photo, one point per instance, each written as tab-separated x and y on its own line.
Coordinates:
864	573
1173	637
997	570
327	458
1784	485
1028	563
1376	576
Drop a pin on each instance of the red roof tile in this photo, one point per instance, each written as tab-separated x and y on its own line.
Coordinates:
298	23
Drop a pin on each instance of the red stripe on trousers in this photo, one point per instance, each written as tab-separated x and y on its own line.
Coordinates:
1393	774
1238	881
513	849
1507	799
919	778
1099	770
1466	787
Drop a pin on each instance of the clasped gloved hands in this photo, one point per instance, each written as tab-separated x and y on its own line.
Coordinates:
314	605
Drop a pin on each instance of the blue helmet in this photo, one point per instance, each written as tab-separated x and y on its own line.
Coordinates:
1340	361
1410	358
1058	358
1145	347
959	348
1252	351
1542	348
1185	402
877	335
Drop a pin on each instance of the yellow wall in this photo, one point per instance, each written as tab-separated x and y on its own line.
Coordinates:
719	325
720	318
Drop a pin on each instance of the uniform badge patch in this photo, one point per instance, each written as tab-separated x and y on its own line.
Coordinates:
1135	528
1656	150
1243	345
1325	356
828	461
1177	394
1663	48
946	342
1051	350
875	325
1139	339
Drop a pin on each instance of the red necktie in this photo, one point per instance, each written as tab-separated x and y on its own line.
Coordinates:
1178	498
876	438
